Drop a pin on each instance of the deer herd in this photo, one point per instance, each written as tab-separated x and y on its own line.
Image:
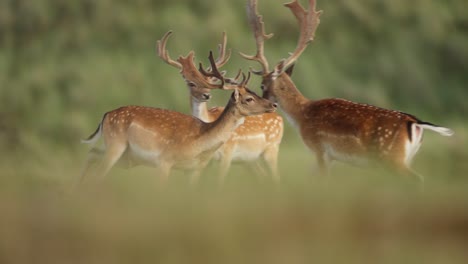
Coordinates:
248	129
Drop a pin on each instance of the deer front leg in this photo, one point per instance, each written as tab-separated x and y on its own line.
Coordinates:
257	167
195	176
163	172
323	163
225	163
271	158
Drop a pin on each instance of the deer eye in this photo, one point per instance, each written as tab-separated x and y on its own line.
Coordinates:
191	84
250	99
262	86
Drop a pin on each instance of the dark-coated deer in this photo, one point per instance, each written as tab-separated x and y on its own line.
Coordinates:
336	129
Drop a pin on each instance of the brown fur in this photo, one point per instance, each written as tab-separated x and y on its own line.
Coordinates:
167	139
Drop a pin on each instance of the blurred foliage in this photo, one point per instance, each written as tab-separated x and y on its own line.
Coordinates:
64	63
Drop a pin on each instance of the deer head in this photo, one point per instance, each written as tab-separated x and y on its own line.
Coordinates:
199	81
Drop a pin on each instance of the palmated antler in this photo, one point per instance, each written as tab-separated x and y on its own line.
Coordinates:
258	28
308	23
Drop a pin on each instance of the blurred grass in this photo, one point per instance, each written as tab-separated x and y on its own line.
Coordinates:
64	63
128	220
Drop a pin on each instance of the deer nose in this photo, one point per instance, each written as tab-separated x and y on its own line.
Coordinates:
206	96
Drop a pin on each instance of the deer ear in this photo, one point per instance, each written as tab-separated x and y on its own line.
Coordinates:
235	95
289	70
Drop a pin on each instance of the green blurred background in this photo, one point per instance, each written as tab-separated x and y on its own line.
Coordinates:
65	63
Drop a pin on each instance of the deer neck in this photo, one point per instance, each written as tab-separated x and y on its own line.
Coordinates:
289	98
219	131
199	109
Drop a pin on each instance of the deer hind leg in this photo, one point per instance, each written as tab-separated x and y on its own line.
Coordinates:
94	156
401	166
271	159
410	149
410	176
111	156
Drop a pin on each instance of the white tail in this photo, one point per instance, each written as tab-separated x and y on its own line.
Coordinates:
95	136
441	130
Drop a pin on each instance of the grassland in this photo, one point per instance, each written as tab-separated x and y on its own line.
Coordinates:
63	64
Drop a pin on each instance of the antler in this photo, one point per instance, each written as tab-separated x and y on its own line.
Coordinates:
245	80
234	80
189	70
234	83
214	73
258	28
308	23
164	53
223	57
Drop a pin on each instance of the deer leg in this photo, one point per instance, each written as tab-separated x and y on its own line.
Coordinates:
271	159
163	171
257	168
409	174
225	163
195	176
111	156
323	164
419	178
94	155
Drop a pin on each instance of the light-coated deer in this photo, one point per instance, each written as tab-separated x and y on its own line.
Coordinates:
336	129
167	139
257	139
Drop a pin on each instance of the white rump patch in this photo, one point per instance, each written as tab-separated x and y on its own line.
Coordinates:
412	147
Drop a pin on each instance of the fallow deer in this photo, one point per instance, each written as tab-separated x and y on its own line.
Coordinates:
257	139
168	139
336	129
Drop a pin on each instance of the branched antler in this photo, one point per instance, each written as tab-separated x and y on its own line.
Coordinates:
258	28
214	73
204	78
164	53
308	23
